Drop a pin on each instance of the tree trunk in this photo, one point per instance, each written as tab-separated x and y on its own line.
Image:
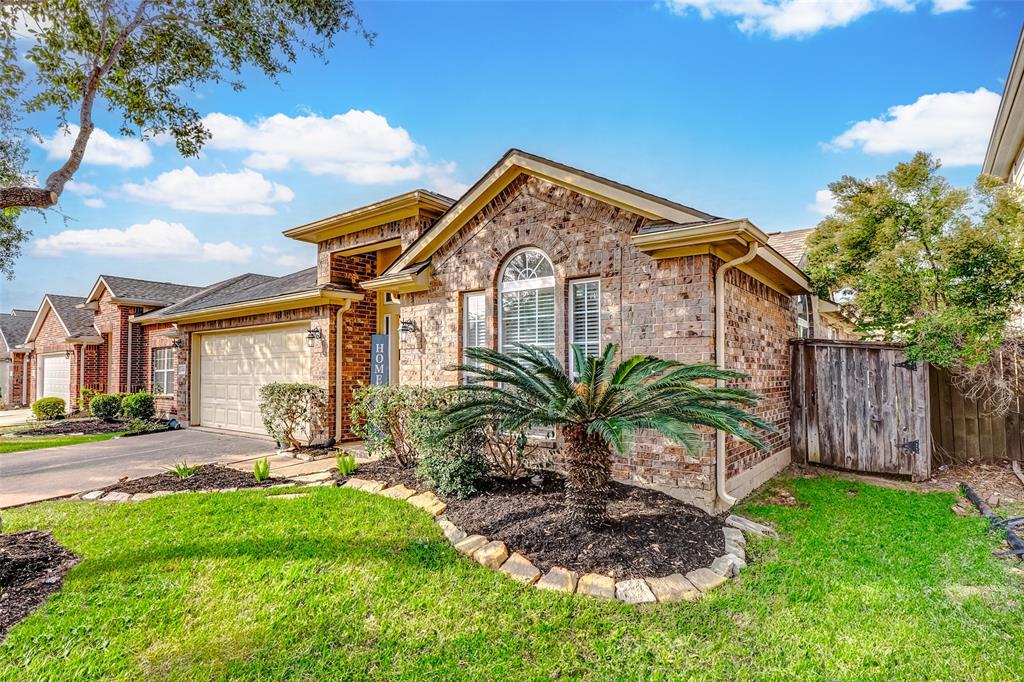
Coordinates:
26	197
589	468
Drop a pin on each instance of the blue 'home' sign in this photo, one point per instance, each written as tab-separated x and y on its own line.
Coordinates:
380	359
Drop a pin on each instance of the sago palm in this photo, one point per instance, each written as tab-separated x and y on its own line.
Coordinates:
600	408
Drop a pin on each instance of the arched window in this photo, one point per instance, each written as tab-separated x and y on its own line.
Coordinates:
526	302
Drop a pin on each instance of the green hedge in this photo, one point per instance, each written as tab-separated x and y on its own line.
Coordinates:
49	408
138	405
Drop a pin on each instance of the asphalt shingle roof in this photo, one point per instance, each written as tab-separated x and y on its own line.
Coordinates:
78	322
14	326
792	245
146	290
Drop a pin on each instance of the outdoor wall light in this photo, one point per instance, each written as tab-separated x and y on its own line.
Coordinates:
67	355
406	327
178	343
313	336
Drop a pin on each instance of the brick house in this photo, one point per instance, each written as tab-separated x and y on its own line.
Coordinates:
14	327
534	252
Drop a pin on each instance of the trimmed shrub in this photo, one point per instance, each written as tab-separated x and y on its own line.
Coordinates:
105	407
382	417
85	396
49	408
138	405
292	410
454	465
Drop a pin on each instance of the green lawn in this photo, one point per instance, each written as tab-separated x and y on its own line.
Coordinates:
22	443
342	585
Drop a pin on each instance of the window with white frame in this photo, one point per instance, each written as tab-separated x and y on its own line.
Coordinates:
584	318
163	371
474	322
526	302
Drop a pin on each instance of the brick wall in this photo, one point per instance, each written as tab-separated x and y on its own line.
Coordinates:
359	324
50	339
659	307
17	379
112	321
407	229
166	405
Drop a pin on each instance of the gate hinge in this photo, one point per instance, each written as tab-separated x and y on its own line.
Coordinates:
913	446
906	364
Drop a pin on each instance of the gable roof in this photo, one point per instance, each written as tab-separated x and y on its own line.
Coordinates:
1007	137
144	292
77	323
14	326
792	245
385	211
516	162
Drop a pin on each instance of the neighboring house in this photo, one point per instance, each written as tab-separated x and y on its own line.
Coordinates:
1005	155
14	327
535	252
91	342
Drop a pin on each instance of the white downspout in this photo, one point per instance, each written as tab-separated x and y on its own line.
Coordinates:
81	376
128	368
720	492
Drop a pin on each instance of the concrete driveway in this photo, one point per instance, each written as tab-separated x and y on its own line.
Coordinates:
15	417
55	472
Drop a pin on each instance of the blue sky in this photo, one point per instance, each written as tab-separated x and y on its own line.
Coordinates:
742	108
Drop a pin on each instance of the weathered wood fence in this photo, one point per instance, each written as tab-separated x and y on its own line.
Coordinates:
962	430
860	406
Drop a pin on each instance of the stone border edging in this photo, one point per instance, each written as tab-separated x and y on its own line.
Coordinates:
494	555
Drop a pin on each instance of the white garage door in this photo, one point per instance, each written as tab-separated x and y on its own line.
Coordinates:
55	377
232	367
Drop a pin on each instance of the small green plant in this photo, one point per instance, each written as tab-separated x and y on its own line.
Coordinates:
346	463
261	469
185	470
85	396
49	408
138	405
137	427
105	407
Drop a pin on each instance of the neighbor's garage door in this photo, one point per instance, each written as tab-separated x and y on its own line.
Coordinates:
233	366
55	377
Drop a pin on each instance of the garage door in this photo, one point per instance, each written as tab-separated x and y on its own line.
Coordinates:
232	367
55	377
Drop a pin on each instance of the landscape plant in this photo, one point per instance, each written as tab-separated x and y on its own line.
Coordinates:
46	409
452	461
138	405
383	417
261	469
105	406
290	410
346	463
598	408
185	470
508	454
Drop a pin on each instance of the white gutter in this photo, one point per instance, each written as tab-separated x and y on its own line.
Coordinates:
720	492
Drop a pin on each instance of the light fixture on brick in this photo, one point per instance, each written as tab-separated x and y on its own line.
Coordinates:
314	335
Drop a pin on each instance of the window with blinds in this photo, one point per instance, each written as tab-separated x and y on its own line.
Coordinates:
527	302
585	317
474	322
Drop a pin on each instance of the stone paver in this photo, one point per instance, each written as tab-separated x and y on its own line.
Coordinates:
728	565
428	502
451	531
635	591
470	544
673	588
115	497
735	535
750	526
734	548
398	492
519	568
596	585
355	483
93	495
560	579
492	555
314	478
705	580
373	486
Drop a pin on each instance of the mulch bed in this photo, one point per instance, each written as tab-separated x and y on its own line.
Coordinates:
208	477
649	533
65	427
32	567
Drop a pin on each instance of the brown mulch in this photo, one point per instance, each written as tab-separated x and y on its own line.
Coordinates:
985	479
208	477
32	567
387	471
64	427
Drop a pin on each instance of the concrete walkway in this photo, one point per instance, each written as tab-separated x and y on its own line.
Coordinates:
15	417
37	475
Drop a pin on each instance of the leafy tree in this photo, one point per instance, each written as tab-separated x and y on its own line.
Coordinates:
600	409
141	59
921	262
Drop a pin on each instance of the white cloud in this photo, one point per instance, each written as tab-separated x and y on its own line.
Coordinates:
358	146
824	202
102	149
954	126
243	192
83	188
152	240
288	260
94	202
800	18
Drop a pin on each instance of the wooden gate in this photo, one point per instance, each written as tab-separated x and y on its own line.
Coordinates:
860	406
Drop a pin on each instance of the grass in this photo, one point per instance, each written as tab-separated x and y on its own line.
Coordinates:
866	583
23	443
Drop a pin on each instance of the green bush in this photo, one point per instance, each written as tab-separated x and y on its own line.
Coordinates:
139	427
289	409
382	416
261	469
85	396
455	464
49	408
138	405
105	407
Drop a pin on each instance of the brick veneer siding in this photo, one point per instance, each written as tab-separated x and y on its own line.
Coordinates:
18	363
657	307
323	371
49	340
359	324
407	229
166	405
112	321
